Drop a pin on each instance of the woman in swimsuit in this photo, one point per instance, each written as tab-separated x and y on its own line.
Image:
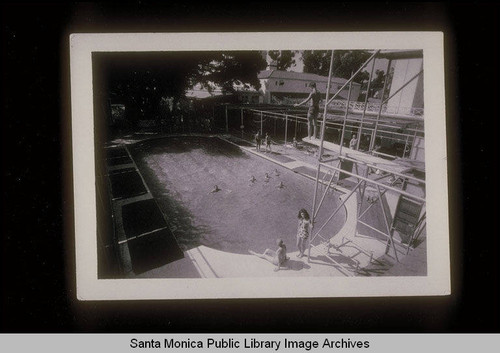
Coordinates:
303	231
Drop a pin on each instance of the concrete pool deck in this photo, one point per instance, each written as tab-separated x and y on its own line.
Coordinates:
348	254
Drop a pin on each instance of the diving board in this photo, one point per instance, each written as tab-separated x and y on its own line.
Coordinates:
361	156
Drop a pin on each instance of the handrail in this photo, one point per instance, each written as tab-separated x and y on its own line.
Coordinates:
330	122
374	166
375	183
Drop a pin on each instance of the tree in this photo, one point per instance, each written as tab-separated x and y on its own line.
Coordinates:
316	61
227	69
378	81
284	58
142	80
345	63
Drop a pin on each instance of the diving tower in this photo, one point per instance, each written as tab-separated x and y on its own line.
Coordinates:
373	175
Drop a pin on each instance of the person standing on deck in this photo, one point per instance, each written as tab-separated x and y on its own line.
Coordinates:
312	114
258	140
303	231
268	142
354	142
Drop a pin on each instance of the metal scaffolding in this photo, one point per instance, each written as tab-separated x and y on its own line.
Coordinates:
361	167
293	120
372	170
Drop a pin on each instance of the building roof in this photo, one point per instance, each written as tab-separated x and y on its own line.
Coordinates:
400	54
299	76
200	94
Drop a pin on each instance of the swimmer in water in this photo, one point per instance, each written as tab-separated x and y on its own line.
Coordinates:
215	189
252	179
281	185
266	178
276	172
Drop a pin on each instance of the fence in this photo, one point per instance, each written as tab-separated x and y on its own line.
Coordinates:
374	107
284	123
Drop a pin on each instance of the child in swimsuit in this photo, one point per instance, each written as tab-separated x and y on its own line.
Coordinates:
277	257
268	142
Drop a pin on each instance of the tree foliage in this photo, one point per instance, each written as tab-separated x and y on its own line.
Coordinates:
378	80
227	69
345	63
284	58
142	80
316	61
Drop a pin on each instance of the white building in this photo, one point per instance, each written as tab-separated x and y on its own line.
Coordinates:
410	100
286	87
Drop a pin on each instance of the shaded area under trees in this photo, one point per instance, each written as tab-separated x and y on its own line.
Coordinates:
152	85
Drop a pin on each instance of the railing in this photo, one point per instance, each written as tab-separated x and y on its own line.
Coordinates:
358	107
374	107
284	123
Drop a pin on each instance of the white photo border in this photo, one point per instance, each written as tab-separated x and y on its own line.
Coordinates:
89	287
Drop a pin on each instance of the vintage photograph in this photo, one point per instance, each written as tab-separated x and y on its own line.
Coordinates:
264	163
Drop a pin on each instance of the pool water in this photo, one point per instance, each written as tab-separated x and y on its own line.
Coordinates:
181	172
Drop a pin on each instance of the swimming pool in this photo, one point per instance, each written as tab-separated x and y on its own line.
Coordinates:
181	172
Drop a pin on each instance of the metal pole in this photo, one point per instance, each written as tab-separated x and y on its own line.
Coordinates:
286	127
369	207
389	233
363	190
374	166
418	230
372	142
296	123
242	126
227	120
360	131
324	194
320	151
325	110
413	145
403	86
399	191
261	123
345	120
406	145
337	209
313	209
352	77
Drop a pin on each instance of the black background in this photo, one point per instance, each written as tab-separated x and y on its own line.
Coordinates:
37	255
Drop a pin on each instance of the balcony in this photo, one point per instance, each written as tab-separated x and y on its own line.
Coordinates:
373	108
